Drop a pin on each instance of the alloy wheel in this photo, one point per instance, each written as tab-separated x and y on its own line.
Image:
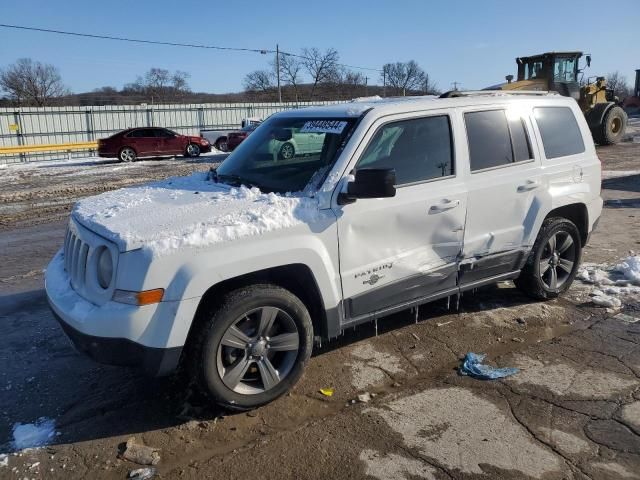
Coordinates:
557	260
193	150
258	350
286	151
127	155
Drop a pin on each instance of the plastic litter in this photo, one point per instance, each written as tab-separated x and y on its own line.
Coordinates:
327	392
473	367
142	473
364	397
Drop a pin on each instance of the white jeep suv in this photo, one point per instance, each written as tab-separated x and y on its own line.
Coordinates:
237	272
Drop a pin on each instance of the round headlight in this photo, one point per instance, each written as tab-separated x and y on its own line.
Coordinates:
105	268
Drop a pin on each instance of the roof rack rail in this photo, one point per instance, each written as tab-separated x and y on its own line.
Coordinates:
495	93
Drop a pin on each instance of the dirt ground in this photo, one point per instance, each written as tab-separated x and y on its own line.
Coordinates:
571	412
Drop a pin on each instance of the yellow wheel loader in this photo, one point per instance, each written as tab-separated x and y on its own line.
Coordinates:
558	72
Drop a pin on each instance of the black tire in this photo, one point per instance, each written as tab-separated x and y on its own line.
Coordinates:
192	150
612	128
221	144
207	352
287	151
539	284
127	154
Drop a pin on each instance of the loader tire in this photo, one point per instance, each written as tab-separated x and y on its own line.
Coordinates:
612	128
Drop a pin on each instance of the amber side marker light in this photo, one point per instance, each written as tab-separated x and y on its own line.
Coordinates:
147	297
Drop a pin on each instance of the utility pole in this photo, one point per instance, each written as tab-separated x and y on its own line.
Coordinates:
455	86
278	72
366	86
384	82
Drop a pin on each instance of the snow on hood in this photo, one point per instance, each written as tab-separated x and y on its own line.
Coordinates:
189	212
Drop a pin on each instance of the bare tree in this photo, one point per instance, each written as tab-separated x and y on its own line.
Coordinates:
353	78
160	85
179	82
618	83
291	72
430	87
404	77
259	81
321	67
32	83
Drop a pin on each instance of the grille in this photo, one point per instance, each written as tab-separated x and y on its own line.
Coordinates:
75	259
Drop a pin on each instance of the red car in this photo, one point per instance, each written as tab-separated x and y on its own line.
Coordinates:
236	138
146	142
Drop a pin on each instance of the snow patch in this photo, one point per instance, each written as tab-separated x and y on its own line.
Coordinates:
191	212
611	282
4	460
37	434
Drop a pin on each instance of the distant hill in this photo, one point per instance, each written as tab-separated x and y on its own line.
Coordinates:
111	96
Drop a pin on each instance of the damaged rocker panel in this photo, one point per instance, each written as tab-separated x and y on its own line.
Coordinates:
415	290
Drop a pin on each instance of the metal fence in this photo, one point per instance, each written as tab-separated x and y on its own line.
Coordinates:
56	125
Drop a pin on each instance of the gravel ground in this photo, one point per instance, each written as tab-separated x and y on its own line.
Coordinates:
572	412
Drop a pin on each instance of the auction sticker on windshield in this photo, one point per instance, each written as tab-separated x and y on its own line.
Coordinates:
323	126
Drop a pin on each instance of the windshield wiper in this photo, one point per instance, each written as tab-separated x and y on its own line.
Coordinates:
235	180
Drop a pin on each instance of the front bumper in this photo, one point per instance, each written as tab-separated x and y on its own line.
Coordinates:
150	337
123	352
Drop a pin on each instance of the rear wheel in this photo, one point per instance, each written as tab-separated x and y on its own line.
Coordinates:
287	151
193	150
253	348
221	144
612	128
127	154
554	260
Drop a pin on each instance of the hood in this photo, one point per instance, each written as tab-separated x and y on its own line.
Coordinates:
189	212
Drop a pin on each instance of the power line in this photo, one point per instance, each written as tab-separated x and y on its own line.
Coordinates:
262	51
134	40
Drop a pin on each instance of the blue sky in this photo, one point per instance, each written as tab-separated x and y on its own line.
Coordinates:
471	42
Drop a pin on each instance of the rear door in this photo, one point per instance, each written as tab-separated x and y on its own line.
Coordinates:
143	141
403	250
506	191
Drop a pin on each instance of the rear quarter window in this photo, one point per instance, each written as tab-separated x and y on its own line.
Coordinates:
561	135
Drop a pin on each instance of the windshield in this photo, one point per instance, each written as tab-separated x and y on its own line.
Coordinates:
284	154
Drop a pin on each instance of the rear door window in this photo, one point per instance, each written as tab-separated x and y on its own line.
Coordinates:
560	132
142	133
494	140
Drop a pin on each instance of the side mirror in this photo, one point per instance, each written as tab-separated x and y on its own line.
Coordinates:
588	58
370	183
282	134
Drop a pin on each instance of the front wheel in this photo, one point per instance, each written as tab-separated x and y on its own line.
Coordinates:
193	150
253	348
554	260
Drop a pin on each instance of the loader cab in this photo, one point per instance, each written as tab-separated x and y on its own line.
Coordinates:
558	70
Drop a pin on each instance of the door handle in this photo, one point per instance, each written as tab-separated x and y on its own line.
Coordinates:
444	206
530	185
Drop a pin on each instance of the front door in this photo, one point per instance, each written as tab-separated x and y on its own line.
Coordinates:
506	193
168	142
403	250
